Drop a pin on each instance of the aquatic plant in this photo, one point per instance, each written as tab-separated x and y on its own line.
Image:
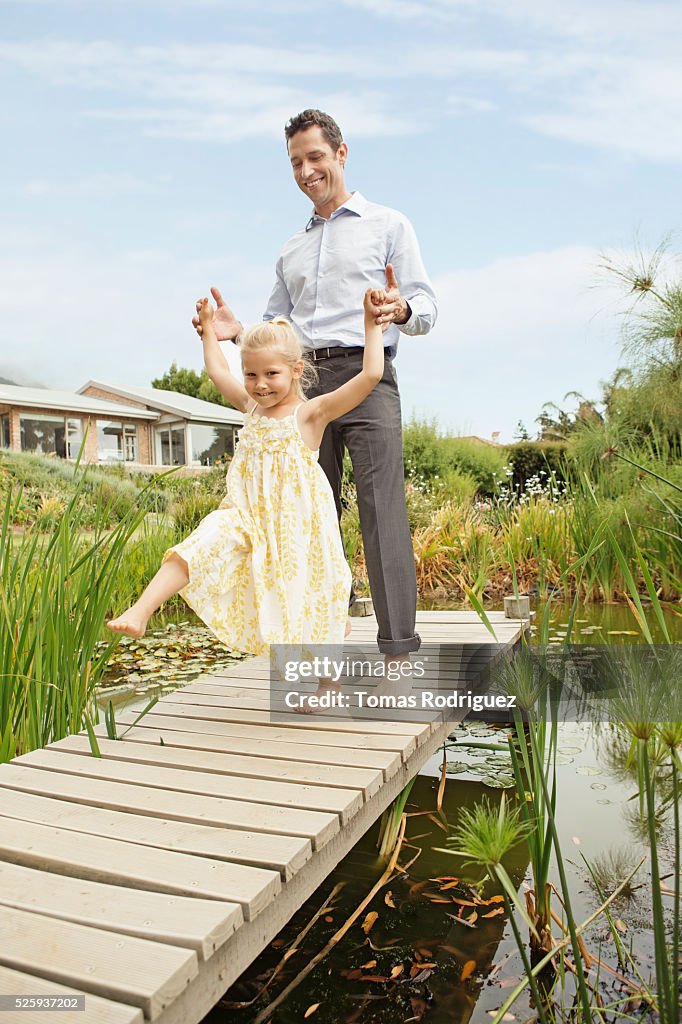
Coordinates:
56	586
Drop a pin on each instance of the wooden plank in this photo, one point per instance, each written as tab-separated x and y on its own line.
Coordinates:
366	780
318	826
343	802
302	732
229	737
133	860
97	1010
263	859
201	925
119	967
224	697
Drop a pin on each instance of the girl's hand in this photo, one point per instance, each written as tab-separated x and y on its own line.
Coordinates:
373	299
393	309
205	311
225	323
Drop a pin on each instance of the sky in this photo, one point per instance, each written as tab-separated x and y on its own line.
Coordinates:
143	161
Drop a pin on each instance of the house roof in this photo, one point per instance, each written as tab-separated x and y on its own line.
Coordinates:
193	409
70	401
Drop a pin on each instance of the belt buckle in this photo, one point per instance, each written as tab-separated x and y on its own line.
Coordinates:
320	353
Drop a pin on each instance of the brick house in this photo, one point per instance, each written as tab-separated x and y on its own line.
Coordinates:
141	427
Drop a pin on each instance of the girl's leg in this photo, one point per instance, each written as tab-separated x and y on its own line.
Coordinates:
171	577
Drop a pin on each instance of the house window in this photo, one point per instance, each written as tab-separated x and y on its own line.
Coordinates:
116	442
74	437
4	430
45	434
170	446
211	443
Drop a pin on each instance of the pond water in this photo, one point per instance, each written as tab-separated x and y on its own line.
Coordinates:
432	921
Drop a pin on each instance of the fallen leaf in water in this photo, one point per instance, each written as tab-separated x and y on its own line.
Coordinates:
368	966
369	921
620	925
388	900
452	950
311	1010
381	978
460	920
576	840
493	913
468	970
437	899
493	899
422	975
472	917
450	885
329	918
354	975
463	903
417	887
397	971
423	951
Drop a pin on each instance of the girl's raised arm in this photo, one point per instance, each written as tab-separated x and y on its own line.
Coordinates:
326	408
215	362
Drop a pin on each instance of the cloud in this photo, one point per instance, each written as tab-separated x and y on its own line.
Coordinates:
83	311
565	77
511	335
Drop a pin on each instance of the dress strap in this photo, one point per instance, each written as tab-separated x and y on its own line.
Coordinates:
295	418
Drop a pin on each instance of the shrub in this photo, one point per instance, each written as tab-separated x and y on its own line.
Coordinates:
536	458
188	512
50	510
483	462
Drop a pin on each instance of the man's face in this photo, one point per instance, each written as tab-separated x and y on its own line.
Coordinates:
318	170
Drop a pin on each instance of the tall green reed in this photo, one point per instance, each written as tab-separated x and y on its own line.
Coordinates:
56	589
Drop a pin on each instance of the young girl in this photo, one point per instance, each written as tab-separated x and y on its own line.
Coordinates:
268	565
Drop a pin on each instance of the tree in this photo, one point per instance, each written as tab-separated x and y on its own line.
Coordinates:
189	382
521	432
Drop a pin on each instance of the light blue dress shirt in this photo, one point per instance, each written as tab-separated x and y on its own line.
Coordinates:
324	271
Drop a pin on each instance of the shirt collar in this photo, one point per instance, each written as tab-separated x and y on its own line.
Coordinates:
356	204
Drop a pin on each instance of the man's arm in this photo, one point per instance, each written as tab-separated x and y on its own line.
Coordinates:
412	305
279	303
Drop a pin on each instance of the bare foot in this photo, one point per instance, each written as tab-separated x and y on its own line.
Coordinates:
132	623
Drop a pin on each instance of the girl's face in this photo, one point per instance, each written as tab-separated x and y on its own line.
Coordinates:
269	376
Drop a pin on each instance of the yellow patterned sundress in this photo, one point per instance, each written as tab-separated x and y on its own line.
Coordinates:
268	567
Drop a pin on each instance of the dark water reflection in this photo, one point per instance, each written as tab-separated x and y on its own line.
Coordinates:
596	818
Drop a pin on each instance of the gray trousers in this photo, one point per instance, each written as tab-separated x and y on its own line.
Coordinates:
372	433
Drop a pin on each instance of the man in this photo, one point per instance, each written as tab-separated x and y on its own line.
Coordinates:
323	271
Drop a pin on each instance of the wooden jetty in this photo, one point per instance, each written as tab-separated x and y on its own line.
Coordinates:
150	878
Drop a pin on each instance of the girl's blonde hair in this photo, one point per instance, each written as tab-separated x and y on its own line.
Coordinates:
278	334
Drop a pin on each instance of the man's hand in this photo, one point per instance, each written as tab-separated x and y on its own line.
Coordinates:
394	309
225	323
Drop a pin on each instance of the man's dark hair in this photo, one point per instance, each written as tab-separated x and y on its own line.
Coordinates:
309	118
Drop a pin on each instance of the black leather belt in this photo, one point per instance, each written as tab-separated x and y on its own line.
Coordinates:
342	351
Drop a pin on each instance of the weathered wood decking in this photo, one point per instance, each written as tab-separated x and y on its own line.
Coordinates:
150	879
